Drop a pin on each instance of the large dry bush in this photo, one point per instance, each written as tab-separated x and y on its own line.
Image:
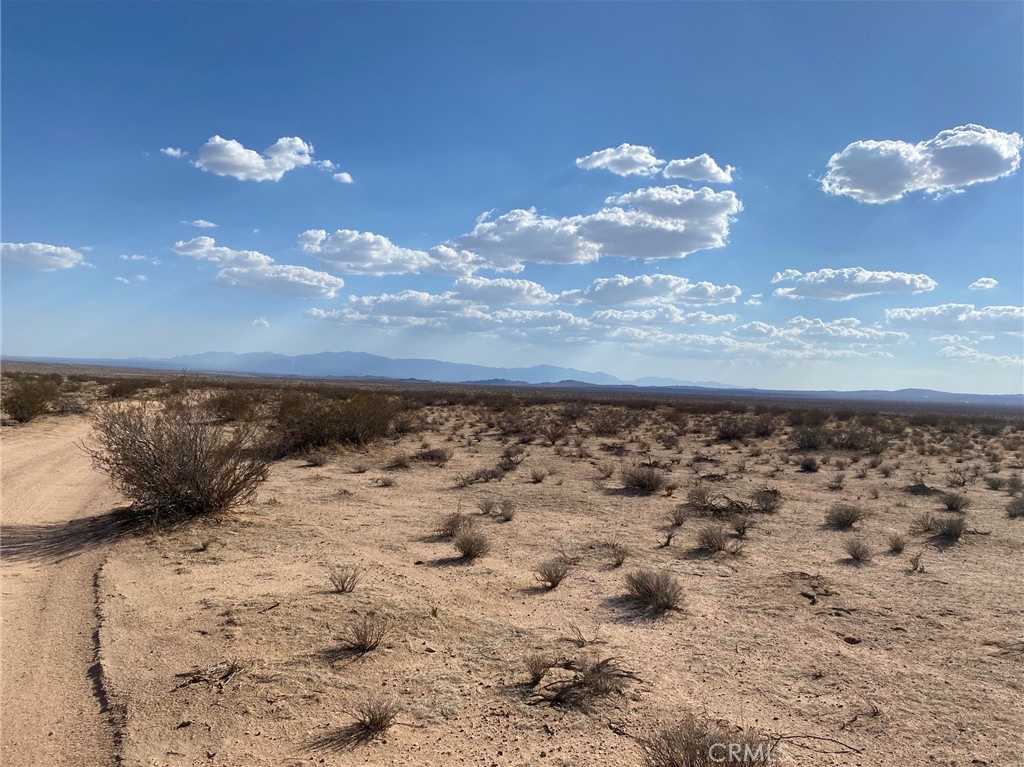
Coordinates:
173	463
27	398
306	421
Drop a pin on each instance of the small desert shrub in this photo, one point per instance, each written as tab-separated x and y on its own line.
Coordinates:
305	421
658	590
618	553
344	579
538	475
678	516
1015	508
371	719
129	387
483	474
843	516
916	564
552	572
741	526
713	539
955	501
537	665
317	458
764	426
438	456
837	482
704	743
232	405
506	510
605	469
174	463
590	680
487	506
809	465
730	429
858	551
399	461
643	479
811	438
367	634
950	527
957	477
471	543
897	543
767	500
28	398
1014	484
995	483
700	498
452	524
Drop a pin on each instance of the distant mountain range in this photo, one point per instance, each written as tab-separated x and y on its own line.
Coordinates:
363	365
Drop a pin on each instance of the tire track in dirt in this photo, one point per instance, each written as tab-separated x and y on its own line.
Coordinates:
53	708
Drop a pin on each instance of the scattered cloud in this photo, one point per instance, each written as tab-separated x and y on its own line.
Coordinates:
137	257
134	279
754	300
700	168
503	291
282	278
252	269
353	252
227	157
40	255
623	160
522	236
847	284
983	283
959	318
970	354
173	151
343	177
261	322
884	171
650	289
200	223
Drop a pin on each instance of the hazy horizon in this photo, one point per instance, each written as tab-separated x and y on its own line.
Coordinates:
771	202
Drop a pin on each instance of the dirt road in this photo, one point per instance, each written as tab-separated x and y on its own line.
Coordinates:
53	704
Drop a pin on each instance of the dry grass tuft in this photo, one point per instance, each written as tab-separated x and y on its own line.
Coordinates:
843	516
657	590
471	543
552	572
703	743
344	579
643	479
367	634
858	551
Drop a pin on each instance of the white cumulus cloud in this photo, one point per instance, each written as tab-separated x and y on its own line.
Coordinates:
983	283
343	177
352	252
228	157
41	255
652	288
960	318
700	168
173	151
622	160
876	172
847	284
261	322
503	291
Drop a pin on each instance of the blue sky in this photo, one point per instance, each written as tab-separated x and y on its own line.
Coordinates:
866	157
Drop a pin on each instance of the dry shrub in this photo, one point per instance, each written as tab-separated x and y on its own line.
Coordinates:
704	743
537	665
506	510
843	516
123	388
590	680
344	579
811	438
438	456
399	461
1015	508
809	465
713	539
678	515
643	479
605	469
538	475
367	634
28	398
607	422
858	551
731	429
767	500
949	527
452	524
617	551
173	463
897	543
471	543
552	572
657	590
305	421
232	405
955	501
372	719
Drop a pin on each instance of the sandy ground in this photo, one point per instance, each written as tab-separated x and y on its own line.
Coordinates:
787	636
53	705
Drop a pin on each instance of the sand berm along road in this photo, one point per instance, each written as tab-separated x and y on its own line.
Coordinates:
53	709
